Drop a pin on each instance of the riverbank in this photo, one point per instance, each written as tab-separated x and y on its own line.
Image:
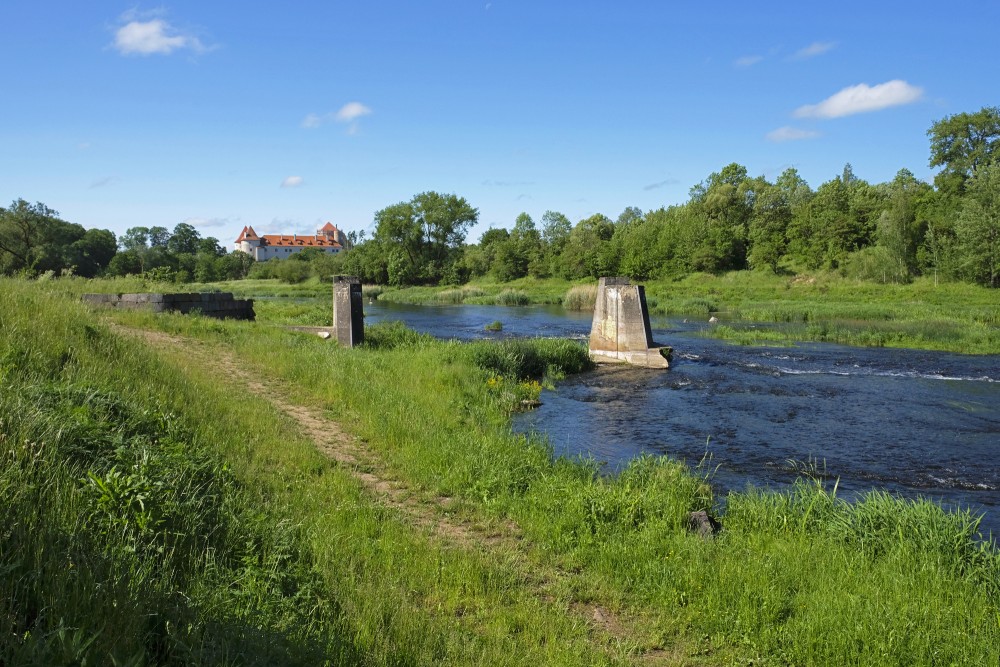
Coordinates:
422	529
753	308
952	317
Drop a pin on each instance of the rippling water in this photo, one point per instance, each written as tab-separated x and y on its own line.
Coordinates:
908	421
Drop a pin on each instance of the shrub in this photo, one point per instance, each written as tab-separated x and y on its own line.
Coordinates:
291	271
876	264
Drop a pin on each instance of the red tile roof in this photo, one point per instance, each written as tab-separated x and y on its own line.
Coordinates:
248	234
322	239
295	240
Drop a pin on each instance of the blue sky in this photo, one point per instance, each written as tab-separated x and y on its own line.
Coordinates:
225	114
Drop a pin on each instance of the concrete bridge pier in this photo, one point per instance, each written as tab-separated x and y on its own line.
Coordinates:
620	332
348	311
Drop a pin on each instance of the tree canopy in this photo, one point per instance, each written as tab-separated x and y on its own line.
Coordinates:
423	237
34	239
962	143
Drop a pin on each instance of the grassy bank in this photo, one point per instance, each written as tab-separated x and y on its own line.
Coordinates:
954	317
163	517
525	291
949	316
127	537
288	548
823	307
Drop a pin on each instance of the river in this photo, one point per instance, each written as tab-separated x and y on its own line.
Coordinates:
912	422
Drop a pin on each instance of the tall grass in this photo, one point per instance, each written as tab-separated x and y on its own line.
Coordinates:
797	577
160	517
512	297
127	539
580	297
458	295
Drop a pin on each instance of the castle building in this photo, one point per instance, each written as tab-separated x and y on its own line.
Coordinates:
328	239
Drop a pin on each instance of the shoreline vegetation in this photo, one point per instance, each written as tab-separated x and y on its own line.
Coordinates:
754	308
183	490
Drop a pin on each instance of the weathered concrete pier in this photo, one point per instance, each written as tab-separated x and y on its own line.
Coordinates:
620	332
348	327
209	304
348	311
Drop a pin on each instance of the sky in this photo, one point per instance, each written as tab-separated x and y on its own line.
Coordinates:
284	116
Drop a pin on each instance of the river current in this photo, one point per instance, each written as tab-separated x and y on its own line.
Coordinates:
911	422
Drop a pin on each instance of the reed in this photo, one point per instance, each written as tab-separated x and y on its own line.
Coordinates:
580	297
512	297
450	296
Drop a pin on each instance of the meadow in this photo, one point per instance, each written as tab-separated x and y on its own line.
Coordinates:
182	490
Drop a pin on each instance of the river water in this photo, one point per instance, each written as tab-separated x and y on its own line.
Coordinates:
911	422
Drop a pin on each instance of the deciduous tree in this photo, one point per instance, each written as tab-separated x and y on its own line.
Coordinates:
424	236
962	143
978	228
34	239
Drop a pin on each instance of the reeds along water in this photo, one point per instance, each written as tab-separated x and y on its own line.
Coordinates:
580	297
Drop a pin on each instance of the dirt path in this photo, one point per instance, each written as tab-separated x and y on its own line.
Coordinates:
328	436
427	513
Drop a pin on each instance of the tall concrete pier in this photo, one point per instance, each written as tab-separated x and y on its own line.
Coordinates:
620	332
348	311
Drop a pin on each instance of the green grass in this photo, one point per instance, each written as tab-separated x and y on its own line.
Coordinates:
822	307
261	287
952	317
127	538
798	577
483	292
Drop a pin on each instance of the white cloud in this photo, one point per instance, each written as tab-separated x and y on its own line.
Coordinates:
286	226
790	134
209	222
813	50
138	37
349	113
862	98
352	111
292	182
747	61
312	120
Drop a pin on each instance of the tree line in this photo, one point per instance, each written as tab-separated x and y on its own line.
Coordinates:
34	241
885	232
